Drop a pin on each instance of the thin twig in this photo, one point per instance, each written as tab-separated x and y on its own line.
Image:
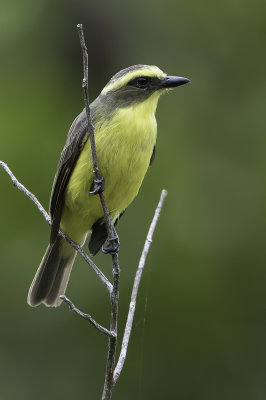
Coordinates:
99	327
133	300
112	235
87	102
98	177
21	187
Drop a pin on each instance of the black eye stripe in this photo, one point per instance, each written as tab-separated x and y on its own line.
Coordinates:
140	82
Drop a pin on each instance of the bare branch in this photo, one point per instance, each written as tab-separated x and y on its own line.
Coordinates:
21	187
135	289
99	327
112	235
87	102
98	177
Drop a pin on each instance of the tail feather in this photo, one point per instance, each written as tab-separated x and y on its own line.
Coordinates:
60	282
52	276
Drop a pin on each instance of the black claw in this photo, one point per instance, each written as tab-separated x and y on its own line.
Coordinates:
112	246
98	186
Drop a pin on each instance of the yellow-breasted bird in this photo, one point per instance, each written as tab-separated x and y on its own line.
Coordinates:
125	135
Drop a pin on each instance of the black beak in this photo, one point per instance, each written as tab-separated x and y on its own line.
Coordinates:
173	81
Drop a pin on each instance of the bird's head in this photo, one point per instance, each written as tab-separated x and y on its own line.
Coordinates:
136	84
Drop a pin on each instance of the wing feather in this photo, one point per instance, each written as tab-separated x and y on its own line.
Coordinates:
76	139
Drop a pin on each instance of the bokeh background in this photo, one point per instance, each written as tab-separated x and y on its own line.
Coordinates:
200	326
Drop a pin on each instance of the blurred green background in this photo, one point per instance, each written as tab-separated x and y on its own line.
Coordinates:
200	326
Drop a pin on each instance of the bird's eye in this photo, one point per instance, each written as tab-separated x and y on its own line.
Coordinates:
142	82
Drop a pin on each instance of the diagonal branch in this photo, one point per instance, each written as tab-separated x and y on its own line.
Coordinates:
21	187
88	317
135	289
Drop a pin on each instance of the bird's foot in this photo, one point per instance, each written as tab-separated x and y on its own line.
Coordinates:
98	186
112	246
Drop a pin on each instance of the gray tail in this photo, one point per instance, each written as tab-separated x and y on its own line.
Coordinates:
52	276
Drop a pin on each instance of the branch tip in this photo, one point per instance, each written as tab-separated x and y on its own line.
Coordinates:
132	306
88	317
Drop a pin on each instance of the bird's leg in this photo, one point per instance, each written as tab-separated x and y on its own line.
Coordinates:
97	186
113	244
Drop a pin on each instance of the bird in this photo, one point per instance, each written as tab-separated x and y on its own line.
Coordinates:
123	116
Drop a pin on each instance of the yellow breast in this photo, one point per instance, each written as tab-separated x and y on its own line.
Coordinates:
124	147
